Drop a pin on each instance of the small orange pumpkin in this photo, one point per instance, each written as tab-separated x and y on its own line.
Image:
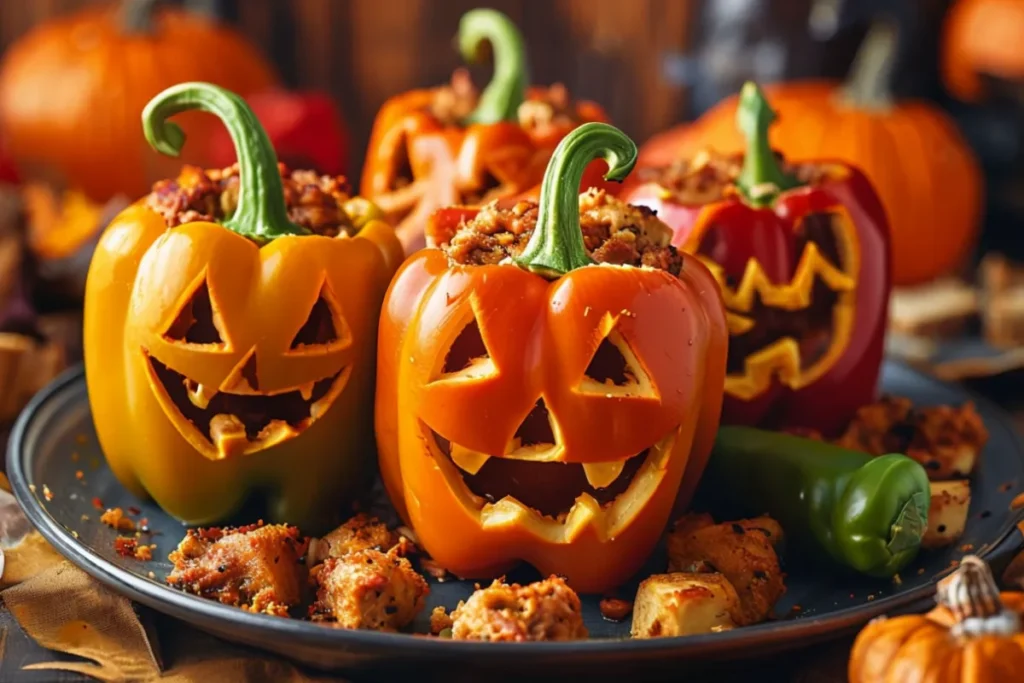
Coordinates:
70	105
925	174
974	635
982	38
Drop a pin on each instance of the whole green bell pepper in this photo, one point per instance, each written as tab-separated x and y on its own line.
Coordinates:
866	513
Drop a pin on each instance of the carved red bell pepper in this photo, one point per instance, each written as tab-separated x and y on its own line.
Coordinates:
801	252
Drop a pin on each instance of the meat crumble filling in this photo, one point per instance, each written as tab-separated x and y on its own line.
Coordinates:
315	202
613	232
709	178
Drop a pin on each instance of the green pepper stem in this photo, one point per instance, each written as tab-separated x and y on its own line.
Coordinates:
137	15
870	77
501	98
556	246
761	179
261	214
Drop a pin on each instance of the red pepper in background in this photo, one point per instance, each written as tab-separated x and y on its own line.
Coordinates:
802	255
306	128
8	173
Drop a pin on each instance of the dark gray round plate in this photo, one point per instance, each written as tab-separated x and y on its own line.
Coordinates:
53	440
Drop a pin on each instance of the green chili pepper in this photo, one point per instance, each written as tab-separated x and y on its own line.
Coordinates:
865	513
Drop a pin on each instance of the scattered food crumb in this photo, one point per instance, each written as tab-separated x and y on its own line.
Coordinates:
796	608
125	546
97	503
85	518
615	609
897	580
440	621
79	475
134	510
870	598
32	488
967	547
151	575
920	571
116	519
73	496
74	534
81	439
1005	486
75	457
47	493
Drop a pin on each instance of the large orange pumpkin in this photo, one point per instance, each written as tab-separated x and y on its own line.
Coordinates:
982	38
72	91
925	174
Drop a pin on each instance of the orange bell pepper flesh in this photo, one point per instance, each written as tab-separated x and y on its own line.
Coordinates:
540	335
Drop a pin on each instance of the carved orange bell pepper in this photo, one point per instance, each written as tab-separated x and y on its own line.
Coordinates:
444	146
230	330
534	405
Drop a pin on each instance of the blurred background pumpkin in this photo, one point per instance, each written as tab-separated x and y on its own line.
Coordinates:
73	88
925	173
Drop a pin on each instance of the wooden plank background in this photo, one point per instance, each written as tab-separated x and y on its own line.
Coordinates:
363	51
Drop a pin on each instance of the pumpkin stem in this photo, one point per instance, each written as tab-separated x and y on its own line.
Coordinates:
761	179
868	85
556	246
261	214
137	15
972	597
501	98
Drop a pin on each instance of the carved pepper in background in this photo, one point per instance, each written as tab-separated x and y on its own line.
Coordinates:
233	357
534	406
445	146
801	254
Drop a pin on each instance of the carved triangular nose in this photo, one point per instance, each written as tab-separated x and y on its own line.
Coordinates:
535	428
244	379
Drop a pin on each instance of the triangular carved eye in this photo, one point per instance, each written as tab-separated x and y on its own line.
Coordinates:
196	322
614	369
468	356
319	327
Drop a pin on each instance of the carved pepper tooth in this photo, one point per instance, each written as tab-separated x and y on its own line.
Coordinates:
602	474
469	461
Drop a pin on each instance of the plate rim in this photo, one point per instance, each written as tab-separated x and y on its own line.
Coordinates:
264	628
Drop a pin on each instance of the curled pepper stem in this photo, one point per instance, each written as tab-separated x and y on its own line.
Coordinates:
761	179
261	214
556	246
501	98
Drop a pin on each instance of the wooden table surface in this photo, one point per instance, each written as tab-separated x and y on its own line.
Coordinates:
821	663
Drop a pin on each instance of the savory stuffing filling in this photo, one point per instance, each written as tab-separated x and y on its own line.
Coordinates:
314	202
547	610
614	232
258	568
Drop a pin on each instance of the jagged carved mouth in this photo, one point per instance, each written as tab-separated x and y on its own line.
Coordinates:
528	475
231	423
793	331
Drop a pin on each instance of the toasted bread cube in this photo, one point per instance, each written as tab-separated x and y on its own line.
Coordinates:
368	589
947	515
545	610
742	551
256	567
362	532
682	604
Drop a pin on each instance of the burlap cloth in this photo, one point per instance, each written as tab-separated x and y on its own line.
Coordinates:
65	610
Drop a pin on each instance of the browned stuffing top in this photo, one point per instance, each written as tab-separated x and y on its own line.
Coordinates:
710	177
544	108
315	202
614	232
